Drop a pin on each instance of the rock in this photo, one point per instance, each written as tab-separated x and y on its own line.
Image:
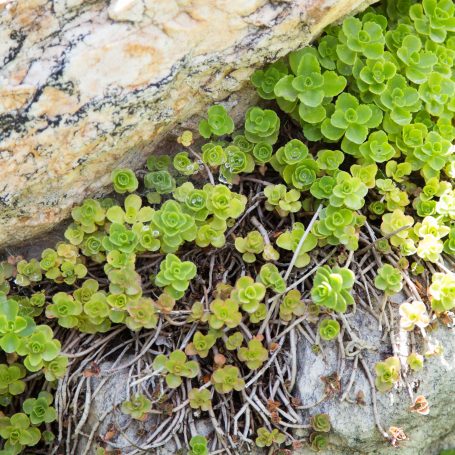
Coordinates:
111	391
353	427
87	86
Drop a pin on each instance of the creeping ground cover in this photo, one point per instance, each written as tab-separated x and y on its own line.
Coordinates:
198	277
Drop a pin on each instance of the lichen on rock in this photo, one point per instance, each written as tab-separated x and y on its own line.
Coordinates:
86	87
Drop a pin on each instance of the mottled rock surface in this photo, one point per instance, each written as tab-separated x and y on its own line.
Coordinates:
87	86
353	426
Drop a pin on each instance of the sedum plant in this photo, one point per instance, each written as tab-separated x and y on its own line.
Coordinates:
38	348
254	355
318	441
267	438
28	272
175	367
14	328
415	361
351	120
200	399
201	344
198	446
292	305
248	294
261	125
137	407
329	329
320	423
18	433
175	275
224	313
442	292
388	279
332	288
124	181
348	192
413	314
39	409
226	379
250	246
141	313
290	240
387	374
270	277
281	200
217	123
11	379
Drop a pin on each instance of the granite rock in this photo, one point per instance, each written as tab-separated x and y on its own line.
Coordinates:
88	86
353	425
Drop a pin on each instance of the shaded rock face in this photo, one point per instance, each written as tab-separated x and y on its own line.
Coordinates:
353	425
105	415
87	86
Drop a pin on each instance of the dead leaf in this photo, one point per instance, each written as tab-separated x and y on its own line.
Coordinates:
421	406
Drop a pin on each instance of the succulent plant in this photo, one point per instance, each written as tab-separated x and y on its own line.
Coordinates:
28	272
442	292
266	438
39	409
201	344
348	192
10	379
351	119
318	441
38	348
224	313
281	200
198	446
415	361
55	368
261	125
328	330
270	277
292	305
388	279
248	294
184	165
176	366
290	240
226	379
124	181
250	246
200	399
137	407
218	122
265	80
158	162
332	288
175	275
65	308
160	181
141	314
234	341
17	433
413	314
213	155
320	423
13	327
387	373
254	355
